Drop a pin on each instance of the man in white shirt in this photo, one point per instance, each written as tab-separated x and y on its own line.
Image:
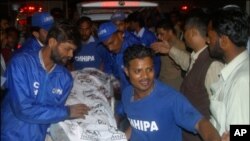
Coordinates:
186	60
228	34
201	69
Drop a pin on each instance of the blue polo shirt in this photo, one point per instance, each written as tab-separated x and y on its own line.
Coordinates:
147	37
159	116
117	59
92	54
31	44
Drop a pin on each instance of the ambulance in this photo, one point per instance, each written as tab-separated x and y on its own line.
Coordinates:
102	10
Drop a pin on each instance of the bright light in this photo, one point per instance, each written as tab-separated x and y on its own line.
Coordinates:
116	4
184	8
40	9
108	4
30	9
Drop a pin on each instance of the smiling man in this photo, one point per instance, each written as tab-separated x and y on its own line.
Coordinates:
157	111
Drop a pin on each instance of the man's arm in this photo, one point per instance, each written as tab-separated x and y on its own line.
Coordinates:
225	136
207	130
128	132
181	57
25	105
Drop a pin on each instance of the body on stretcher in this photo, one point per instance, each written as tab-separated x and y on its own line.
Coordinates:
95	89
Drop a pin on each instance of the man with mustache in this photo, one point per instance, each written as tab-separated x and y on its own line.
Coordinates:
38	85
155	110
228	31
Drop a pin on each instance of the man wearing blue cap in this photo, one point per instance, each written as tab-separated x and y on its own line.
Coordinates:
38	86
118	18
41	22
116	42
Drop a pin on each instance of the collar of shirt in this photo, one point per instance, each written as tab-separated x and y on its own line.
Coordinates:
40	43
91	39
3	66
194	55
42	63
229	68
140	33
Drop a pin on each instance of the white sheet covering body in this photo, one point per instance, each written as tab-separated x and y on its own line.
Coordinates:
93	88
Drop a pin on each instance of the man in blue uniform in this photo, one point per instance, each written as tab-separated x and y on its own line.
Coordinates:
91	53
147	37
38	85
41	22
156	111
116	42
118	18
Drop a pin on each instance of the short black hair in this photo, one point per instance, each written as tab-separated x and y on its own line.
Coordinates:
166	24
199	23
84	19
232	22
136	17
136	52
65	32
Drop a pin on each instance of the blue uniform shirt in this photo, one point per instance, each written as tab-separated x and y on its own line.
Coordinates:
147	37
160	115
35	98
31	44
91	54
117	59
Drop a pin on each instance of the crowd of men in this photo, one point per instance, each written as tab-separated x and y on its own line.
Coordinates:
180	79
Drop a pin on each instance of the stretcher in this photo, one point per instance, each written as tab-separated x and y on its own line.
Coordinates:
95	89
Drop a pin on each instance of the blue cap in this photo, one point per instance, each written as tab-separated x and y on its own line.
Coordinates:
118	16
106	30
43	20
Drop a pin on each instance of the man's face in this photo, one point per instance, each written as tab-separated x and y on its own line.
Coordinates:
133	25
4	24
214	43
162	34
141	74
114	43
62	52
121	25
12	39
85	30
188	36
42	35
